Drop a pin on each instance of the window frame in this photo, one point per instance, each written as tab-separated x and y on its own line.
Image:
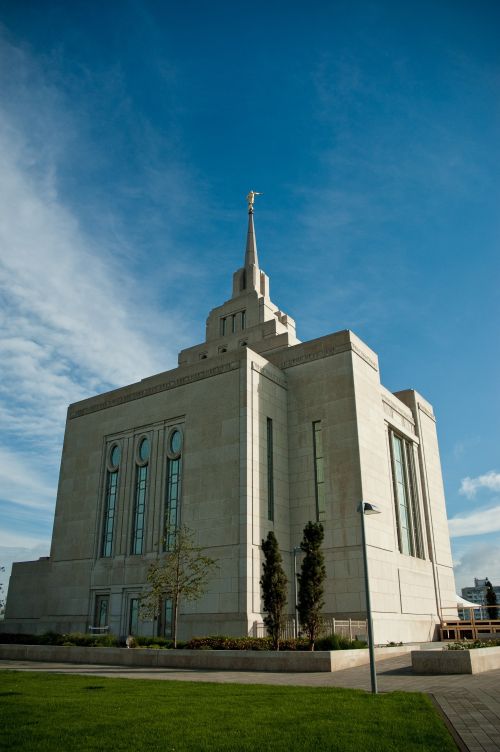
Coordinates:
270	469
100	600
409	536
171	516
319	470
141	487
112	481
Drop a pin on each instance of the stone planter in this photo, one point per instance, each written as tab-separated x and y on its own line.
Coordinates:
221	660
473	661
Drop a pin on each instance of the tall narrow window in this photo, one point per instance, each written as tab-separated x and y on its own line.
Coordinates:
270	471
233	323
243	320
110	500
173	493
133	616
141	482
166	619
319	472
414	502
222	326
406	497
101	611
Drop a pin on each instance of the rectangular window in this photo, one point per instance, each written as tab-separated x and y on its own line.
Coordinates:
319	472
222	327
172	501
109	512
233	323
270	471
133	616
139	509
101	611
243	319
406	497
166	620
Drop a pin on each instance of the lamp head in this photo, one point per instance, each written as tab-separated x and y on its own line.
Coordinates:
366	507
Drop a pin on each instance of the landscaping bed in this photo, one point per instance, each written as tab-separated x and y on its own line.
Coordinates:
458	659
212	642
221	660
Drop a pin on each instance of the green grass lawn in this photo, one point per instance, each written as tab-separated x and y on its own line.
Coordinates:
54	712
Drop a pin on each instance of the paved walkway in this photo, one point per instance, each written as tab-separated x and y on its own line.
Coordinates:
470	704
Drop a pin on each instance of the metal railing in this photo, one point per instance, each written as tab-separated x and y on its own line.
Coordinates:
470	628
350	628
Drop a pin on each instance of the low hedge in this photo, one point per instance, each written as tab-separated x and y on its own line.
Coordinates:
212	642
221	642
162	643
54	638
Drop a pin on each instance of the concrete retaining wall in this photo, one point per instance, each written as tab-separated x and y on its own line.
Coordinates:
455	661
222	660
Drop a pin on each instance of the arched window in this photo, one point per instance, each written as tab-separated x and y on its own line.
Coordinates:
141	483
173	491
113	466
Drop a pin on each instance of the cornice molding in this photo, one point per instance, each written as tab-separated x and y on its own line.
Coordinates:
264	371
174	383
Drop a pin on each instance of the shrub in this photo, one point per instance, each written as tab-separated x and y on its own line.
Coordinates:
471	644
53	638
86	640
222	642
291	643
338	642
157	642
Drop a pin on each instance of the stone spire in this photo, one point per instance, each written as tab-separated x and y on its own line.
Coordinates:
249	319
251	258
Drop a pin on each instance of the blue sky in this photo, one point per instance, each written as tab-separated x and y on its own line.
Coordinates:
130	133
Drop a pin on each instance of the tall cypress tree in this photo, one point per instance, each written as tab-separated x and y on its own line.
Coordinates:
273	583
491	600
311	579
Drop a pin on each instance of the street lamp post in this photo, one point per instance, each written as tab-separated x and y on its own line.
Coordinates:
366	508
296	550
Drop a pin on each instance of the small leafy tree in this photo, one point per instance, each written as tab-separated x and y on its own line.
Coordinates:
274	589
181	575
311	579
491	600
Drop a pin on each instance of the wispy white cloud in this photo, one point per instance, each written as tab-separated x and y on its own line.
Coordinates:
477	559
71	323
470	486
479	522
26	479
72	320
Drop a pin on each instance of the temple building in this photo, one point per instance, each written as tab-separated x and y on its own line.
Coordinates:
253	431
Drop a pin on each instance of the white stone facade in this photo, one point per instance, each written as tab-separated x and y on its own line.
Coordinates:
275	433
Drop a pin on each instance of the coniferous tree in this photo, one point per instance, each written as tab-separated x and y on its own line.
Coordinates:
311	580
2	602
491	600
274	589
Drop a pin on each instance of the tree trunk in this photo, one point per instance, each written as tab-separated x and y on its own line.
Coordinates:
174	620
